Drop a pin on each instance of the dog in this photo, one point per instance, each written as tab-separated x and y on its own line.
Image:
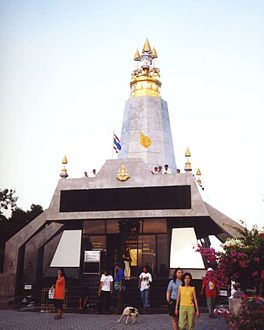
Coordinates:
130	312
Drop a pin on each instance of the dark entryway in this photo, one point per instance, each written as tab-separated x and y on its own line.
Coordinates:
113	251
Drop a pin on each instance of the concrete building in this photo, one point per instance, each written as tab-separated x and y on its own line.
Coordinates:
92	220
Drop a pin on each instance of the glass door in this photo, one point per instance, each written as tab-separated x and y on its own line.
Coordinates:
147	252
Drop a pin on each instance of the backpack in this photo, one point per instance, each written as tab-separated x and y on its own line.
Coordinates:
211	285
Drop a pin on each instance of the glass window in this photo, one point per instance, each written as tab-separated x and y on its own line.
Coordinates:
112	226
97	242
162	255
147	252
155	226
132	244
94	227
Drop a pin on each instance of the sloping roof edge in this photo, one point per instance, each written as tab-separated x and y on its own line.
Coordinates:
224	222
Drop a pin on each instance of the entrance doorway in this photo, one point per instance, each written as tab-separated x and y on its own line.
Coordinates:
142	250
113	250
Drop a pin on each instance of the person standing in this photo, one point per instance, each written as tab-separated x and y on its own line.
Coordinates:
209	284
127	261
104	292
59	294
166	169
171	295
145	279
188	303
119	287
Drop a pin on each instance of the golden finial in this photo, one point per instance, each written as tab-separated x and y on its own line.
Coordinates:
154	53
137	56
63	173
64	161
145	80
122	174
146	47
199	181
198	172
187	153
188	166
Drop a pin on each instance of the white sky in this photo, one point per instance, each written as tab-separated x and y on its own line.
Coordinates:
64	78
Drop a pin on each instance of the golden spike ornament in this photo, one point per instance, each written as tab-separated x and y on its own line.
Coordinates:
187	153
198	172
146	47
137	56
64	160
154	53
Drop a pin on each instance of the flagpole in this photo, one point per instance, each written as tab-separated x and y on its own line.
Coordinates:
112	143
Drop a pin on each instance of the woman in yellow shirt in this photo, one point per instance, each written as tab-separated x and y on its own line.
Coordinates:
188	303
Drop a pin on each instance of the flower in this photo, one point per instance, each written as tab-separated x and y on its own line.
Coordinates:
241	259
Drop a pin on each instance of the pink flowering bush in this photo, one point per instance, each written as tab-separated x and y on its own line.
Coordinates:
242	260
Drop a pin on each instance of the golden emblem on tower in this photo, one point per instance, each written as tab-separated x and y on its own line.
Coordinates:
145	79
122	174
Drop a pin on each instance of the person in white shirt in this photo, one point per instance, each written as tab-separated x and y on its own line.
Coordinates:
166	169
104	292
145	279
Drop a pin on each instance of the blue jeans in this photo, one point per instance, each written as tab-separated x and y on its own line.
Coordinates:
145	298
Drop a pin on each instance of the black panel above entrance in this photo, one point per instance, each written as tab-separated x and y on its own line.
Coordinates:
143	198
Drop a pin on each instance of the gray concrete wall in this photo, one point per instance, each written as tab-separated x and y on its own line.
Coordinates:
150	115
8	279
32	248
140	176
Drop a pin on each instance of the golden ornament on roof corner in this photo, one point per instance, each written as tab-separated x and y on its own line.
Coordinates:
122	174
187	153
154	53
199	182
137	56
198	172
64	161
146	47
64	173
188	166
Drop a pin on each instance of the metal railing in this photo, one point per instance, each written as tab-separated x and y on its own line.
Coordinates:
47	305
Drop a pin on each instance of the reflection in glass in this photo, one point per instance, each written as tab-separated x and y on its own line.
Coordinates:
97	242
162	254
94	227
112	226
155	226
147	251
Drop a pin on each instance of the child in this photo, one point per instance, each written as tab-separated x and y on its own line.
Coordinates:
188	303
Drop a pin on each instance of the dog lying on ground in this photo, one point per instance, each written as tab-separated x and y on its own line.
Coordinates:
130	312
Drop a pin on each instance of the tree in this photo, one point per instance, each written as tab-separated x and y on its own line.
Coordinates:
17	220
7	200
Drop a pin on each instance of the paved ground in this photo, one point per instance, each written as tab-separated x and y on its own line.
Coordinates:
15	320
